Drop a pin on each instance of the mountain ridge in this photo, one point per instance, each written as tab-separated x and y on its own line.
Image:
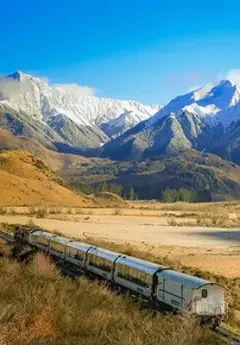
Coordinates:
202	119
196	120
45	101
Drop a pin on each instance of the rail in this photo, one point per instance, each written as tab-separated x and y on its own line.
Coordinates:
7	237
226	335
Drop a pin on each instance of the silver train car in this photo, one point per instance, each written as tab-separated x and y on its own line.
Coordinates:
159	284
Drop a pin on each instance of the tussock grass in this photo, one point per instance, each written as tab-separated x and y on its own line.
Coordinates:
3	210
38	212
39	307
214	219
117	212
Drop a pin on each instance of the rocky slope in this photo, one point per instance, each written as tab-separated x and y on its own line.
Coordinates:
228	145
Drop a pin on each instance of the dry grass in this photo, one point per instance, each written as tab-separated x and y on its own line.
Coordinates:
39	307
210	218
25	180
206	215
117	212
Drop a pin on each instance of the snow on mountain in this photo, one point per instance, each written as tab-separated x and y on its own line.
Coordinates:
115	127
44	102
196	120
216	103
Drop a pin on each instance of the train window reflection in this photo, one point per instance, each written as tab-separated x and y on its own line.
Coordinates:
134	275
99	262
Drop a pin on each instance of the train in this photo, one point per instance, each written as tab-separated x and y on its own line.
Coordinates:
162	286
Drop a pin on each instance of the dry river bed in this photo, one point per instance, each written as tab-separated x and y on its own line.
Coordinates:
213	249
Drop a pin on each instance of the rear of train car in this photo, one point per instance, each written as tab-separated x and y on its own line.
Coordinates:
191	294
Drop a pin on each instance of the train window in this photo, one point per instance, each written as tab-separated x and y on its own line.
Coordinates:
79	255
149	279
123	271
75	253
91	259
204	293
57	247
41	240
100	263
135	276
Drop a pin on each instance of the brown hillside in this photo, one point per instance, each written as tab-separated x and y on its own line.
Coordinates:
25	180
54	160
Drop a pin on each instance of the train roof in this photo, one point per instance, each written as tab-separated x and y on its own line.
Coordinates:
60	239
104	253
44	234
186	280
141	265
79	245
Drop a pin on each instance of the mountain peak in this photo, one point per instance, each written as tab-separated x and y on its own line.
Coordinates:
16	75
24	77
217	102
228	83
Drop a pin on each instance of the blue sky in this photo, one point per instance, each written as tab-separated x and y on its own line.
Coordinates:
148	51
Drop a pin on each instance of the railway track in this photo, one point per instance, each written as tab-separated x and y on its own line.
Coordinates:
221	332
7	237
228	336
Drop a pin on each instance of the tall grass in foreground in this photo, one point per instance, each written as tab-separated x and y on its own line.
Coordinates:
38	306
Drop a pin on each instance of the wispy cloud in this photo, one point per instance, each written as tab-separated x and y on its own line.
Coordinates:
193	88
77	90
181	77
234	75
11	89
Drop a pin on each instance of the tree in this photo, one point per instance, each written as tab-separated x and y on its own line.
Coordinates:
186	195
116	189
183	194
84	188
103	187
131	193
170	195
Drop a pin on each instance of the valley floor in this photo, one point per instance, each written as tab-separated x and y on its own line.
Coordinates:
212	249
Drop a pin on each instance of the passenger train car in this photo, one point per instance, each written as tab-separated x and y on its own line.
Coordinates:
161	285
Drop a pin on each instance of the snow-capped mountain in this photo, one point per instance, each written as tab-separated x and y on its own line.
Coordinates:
45	102
203	119
196	120
215	103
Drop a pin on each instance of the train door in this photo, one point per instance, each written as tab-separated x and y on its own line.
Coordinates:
160	289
